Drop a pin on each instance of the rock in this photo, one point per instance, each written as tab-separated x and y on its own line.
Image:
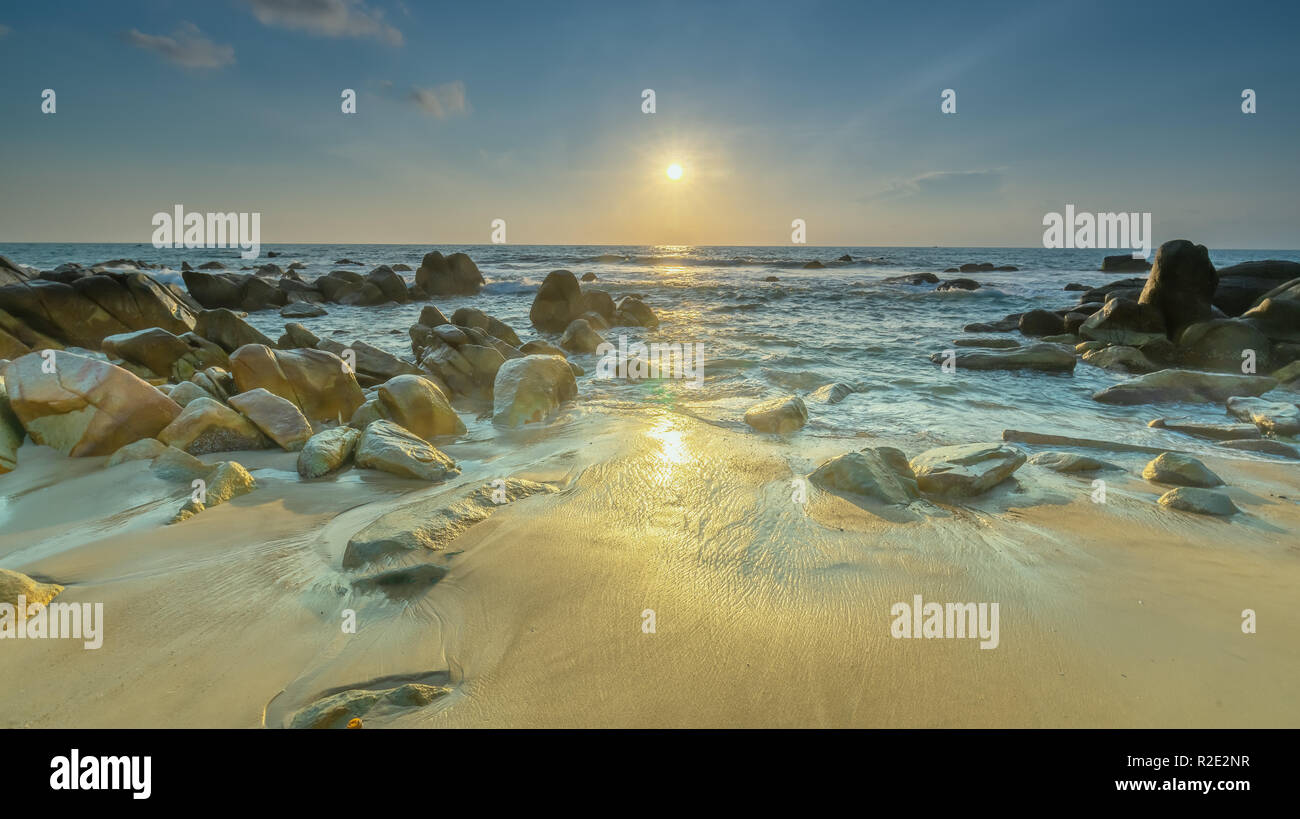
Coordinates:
228	330
453	275
339	710
1123	359
557	303
580	338
327	451
1169	386
1181	285
1270	417
588	276
778	415
880	473
1267	446
916	278
1241	286
832	393
11	429
154	348
813	265
1125	322
958	284
386	446
83	312
1005	325
225	481
206	425
633	312
277	418
1212	432
1222	344
1179	470
1068	339
299	336
975	267
16	584
1043	357
451	334
369	412
417	404
1199	501
1041	323
316	381
529	389
966	469
845	258
85	406
987	343
1044	439
1075	286
302	309
145	449
390	284
1069	462
599	302
370	360
433	523
1288	375
1277	319
1124	264
538	347
215	381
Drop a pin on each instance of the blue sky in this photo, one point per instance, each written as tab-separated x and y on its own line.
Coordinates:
531	112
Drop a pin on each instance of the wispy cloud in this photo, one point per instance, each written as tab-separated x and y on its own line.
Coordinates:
443	101
327	18
4	30
942	183
186	47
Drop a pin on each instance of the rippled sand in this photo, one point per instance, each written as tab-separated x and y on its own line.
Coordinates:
767	612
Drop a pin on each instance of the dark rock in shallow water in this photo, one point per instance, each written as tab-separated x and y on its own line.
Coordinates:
1043	357
1266	446
1277	318
1076	286
1242	285
1181	285
1126	322
913	278
1123	264
845	258
959	284
1002	325
771	279
1041	323
557	303
813	265
454	275
588	276
975	267
1221	343
1184	386
949	270
228	330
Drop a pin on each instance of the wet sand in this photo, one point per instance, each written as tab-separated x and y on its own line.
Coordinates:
767	612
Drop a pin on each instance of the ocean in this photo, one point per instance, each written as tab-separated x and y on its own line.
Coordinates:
811	327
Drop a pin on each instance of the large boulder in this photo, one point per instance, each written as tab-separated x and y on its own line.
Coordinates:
1198	501
1242	285
557	303
965	469
213	290
779	415
1181	285
580	338
327	451
530	389
879	473
83	312
226	329
1124	264
389	283
632	312
316	381
16	584
1041	323
1169	386
276	417
454	275
417	404
1277	315
1126	322
1269	417
1223	344
1176	469
1043	357
154	348
11	431
84	406
207	425
386	446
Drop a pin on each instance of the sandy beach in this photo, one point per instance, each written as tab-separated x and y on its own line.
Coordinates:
768	612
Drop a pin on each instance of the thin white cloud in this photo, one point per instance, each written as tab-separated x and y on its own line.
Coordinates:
943	183
186	47
443	101
327	18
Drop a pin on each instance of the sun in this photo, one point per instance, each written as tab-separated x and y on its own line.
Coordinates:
674	171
